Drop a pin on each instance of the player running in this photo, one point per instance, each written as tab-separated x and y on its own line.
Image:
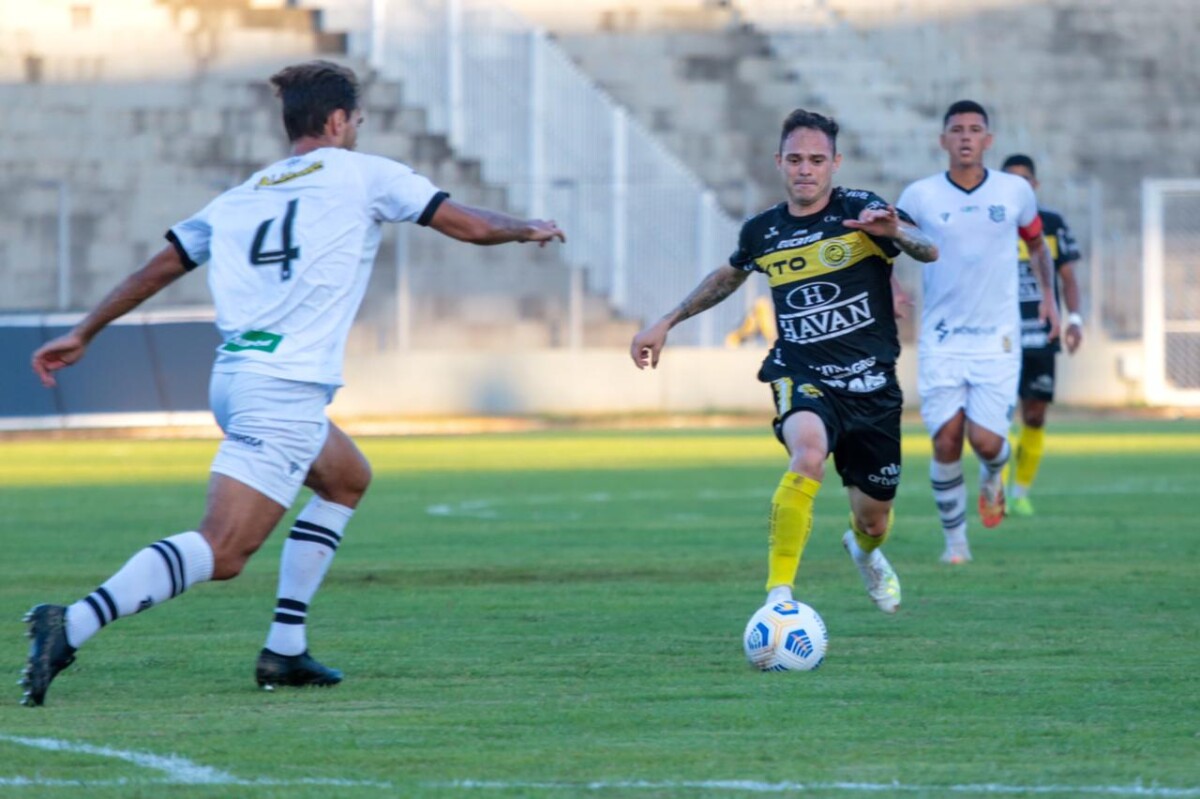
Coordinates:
969	349
289	253
827	253
1038	351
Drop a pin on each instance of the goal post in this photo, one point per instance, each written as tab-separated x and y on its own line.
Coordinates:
1171	291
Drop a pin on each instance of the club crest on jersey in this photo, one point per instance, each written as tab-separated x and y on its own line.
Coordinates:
996	213
834	253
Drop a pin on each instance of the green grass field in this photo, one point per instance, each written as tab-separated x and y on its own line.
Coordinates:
560	614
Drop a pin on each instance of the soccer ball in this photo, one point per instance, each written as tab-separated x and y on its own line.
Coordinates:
785	636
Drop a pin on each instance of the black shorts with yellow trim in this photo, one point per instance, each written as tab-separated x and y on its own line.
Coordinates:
863	430
1037	375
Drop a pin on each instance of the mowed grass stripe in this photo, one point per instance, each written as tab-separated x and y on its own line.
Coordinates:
30	463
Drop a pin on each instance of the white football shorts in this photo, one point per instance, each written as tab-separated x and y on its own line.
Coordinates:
274	430
986	388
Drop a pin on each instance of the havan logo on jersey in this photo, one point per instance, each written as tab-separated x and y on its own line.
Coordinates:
828	320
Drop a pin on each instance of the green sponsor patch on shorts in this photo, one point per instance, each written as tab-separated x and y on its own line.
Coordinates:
259	340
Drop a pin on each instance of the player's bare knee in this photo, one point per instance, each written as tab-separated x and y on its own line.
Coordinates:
348	490
810	462
873	524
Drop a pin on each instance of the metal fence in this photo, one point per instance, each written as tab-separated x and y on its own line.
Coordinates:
502	92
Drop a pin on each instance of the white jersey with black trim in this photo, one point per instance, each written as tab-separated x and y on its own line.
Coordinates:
970	304
289	254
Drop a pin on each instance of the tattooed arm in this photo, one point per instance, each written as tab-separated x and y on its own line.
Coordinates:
719	284
915	243
885	222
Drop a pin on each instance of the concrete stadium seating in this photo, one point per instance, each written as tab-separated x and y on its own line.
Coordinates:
148	136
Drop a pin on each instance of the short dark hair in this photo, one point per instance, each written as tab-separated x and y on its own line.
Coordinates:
1020	159
311	92
964	107
809	119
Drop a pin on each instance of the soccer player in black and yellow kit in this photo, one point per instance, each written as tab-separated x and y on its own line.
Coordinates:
1038	351
827	253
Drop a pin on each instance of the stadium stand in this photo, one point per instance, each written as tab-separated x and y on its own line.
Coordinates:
145	138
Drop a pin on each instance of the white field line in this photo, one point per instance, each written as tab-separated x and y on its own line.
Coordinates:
749	786
175	770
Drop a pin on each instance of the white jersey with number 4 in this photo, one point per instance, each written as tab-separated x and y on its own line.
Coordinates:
290	252
970	305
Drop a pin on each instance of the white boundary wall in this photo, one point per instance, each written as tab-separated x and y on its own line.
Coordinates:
688	380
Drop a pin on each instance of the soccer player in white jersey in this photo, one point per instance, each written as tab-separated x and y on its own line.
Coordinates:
969	346
289	253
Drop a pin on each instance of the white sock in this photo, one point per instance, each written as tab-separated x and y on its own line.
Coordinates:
161	571
780	593
991	472
307	554
950	495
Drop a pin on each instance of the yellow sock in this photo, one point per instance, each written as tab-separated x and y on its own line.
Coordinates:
869	543
1029	454
791	522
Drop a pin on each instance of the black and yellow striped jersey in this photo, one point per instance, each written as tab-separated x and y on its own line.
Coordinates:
1063	250
832	291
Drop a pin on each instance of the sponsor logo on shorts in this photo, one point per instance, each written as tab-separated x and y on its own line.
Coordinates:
249	441
888	476
1043	383
809	390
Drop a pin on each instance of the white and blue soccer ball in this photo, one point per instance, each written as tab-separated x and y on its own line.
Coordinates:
785	636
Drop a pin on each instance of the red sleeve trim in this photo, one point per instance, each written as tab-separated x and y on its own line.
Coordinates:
1032	230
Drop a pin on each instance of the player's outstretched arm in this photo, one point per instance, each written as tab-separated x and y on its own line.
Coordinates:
159	272
484	226
719	284
886	222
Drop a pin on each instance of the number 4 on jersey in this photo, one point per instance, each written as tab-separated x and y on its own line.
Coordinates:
286	253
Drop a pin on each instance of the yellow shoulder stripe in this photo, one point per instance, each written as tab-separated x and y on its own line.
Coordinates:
819	258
